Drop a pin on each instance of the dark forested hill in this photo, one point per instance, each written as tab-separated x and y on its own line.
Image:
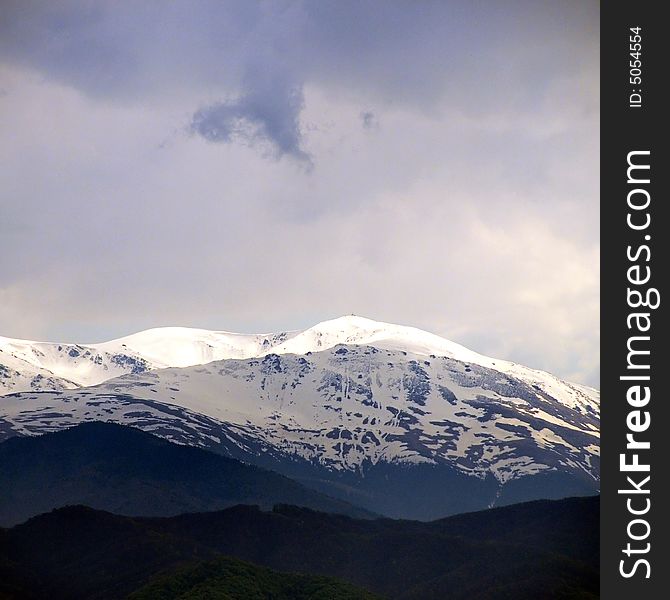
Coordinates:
231	579
543	549
130	472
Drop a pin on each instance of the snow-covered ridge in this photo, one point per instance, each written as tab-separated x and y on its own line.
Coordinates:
341	408
33	366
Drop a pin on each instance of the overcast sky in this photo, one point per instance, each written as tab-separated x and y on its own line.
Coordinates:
264	166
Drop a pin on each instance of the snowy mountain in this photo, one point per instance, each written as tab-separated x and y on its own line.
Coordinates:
26	363
395	419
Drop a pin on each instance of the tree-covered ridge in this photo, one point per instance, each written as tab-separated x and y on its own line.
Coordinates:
543	549
227	578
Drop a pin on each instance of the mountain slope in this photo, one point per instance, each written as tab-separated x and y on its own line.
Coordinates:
390	431
17	374
535	550
127	471
390	418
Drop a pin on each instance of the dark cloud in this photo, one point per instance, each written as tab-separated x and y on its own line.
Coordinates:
403	53
269	119
369	120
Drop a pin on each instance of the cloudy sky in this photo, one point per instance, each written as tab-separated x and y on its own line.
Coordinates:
262	166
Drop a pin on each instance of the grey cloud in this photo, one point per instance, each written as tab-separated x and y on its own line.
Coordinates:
369	120
419	54
257	118
405	52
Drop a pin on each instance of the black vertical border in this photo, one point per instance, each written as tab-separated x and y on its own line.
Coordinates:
625	129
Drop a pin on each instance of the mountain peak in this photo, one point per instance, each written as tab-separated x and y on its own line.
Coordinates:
34	366
351	320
